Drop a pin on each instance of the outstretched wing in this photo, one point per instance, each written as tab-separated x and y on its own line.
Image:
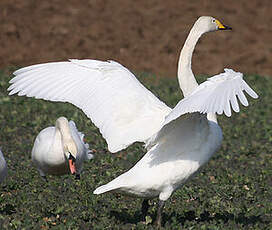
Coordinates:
218	94
108	93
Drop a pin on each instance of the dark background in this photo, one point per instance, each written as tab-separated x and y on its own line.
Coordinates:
143	35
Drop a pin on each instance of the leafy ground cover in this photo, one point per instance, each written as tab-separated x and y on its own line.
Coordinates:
233	191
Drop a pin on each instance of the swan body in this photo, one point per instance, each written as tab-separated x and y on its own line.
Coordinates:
179	140
3	167
53	146
172	160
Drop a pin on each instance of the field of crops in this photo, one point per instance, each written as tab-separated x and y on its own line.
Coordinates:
233	191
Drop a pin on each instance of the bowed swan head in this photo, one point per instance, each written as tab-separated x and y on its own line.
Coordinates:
69	146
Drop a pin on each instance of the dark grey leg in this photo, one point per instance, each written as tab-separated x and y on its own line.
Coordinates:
144	209
159	212
44	178
77	177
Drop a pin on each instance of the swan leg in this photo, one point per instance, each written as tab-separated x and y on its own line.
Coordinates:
42	174
144	208
44	178
77	177
159	212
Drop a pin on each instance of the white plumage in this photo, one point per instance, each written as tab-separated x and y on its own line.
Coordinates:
107	92
179	141
179	149
216	95
186	140
53	146
3	167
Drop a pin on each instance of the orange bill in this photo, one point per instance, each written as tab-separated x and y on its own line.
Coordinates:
72	166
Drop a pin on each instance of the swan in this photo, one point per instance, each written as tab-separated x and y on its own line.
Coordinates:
178	141
3	167
60	149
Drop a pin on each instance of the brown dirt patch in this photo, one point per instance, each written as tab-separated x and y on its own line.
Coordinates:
142	35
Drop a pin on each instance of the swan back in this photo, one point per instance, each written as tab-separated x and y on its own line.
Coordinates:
83	152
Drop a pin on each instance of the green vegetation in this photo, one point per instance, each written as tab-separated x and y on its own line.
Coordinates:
233	191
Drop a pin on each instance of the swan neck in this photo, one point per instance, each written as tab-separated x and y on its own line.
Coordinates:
69	145
68	142
63	126
187	81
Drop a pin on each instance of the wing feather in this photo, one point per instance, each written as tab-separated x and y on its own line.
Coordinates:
216	95
249	91
108	93
234	102
242	98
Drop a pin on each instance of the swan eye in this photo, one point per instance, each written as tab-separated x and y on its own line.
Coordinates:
213	20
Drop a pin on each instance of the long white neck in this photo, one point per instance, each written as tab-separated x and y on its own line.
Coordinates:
186	78
63	126
68	142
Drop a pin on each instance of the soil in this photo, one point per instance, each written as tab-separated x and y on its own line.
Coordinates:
143	35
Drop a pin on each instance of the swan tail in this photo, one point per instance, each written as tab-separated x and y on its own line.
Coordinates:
117	183
104	188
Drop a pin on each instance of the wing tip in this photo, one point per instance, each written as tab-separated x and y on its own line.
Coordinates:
255	95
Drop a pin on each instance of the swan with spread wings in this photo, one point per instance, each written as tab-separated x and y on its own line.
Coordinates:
179	140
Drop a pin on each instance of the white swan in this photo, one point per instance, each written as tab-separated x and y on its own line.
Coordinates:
178	140
3	167
60	148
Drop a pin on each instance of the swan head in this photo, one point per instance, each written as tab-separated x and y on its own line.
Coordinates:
209	24
70	151
69	145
